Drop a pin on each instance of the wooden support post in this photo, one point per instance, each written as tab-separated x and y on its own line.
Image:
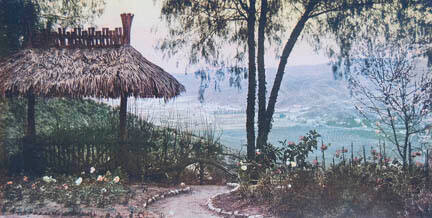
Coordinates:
123	114
122	155
69	39
79	37
85	39
127	22
3	155
91	37
98	38
31	124
105	37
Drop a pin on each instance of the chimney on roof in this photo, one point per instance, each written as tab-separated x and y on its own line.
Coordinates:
127	23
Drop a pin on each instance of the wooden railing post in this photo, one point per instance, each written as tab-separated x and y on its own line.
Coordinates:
79	38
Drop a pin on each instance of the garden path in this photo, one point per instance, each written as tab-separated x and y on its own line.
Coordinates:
193	204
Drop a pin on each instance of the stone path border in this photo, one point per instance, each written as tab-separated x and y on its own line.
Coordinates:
84	212
165	194
223	212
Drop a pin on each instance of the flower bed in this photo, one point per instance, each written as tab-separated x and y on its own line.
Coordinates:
85	195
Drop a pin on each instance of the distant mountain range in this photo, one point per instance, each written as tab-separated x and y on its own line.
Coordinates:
310	88
309	98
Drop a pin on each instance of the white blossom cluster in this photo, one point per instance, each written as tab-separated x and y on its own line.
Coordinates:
393	90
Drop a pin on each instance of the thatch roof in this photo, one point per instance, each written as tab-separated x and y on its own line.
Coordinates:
106	72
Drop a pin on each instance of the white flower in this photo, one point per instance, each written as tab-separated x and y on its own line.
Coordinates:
243	167
103	190
289	186
258	151
293	163
92	169
116	179
48	179
78	181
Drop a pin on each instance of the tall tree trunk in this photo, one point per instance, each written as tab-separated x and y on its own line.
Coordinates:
251	97
281	68
261	140
404	156
31	124
123	111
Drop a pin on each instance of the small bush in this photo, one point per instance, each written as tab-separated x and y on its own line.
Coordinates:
344	191
351	188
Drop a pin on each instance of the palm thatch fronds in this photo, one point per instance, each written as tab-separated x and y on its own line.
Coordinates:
108	72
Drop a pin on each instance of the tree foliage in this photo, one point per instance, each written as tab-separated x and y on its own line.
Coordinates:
392	89
19	17
69	13
16	17
206	30
410	21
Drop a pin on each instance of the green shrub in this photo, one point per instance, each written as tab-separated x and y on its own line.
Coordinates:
73	135
345	190
299	152
271	159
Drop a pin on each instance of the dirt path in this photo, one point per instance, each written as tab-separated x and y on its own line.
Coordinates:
188	205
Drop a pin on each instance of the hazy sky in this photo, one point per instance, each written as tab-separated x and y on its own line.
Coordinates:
144	40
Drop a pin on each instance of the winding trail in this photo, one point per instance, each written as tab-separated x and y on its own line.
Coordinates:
188	205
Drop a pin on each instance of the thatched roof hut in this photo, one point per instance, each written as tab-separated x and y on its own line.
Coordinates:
84	64
80	72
